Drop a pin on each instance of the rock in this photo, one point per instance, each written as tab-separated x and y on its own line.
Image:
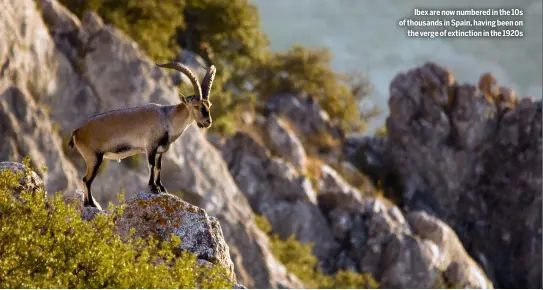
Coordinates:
400	254
195	62
261	176
216	140
277	191
27	131
335	192
369	154
305	115
461	269
29	182
408	262
285	143
76	198
206	182
473	161
160	215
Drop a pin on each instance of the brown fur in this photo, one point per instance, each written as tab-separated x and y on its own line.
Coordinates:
148	129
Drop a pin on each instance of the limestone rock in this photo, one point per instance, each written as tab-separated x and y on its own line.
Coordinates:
279	193
160	215
304	113
27	131
76	198
461	269
285	143
471	157
336	192
29	182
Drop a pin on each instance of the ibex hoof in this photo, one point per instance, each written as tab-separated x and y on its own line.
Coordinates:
162	189
154	189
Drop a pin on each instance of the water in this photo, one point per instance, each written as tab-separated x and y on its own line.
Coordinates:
364	35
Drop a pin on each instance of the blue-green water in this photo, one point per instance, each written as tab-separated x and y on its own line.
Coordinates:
364	35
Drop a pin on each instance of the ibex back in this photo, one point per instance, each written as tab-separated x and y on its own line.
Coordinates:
149	129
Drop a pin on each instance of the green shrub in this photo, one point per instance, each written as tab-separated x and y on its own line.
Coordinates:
50	246
301	69
381	131
299	260
151	23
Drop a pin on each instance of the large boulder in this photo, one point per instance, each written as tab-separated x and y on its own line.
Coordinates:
160	215
470	156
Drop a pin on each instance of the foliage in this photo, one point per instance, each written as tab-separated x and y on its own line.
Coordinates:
301	69
151	23
381	131
228	35
299	260
46	244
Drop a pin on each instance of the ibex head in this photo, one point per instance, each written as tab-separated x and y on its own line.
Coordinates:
198	104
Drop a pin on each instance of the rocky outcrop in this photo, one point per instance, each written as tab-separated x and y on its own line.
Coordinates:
470	156
304	112
283	142
348	229
160	215
27	131
75	68
417	252
277	191
29	181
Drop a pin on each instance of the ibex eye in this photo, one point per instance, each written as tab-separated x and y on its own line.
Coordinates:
204	111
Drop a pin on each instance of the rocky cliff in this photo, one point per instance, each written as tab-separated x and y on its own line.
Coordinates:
465	188
469	155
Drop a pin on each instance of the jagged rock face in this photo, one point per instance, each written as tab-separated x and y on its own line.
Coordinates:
304	113
197	169
27	131
363	234
27	72
160	215
285	143
416	252
470	157
334	192
461	269
277	191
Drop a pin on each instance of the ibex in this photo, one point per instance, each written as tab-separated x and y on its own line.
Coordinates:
149	129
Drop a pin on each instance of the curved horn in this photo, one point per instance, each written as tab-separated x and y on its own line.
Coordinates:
208	81
184	69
